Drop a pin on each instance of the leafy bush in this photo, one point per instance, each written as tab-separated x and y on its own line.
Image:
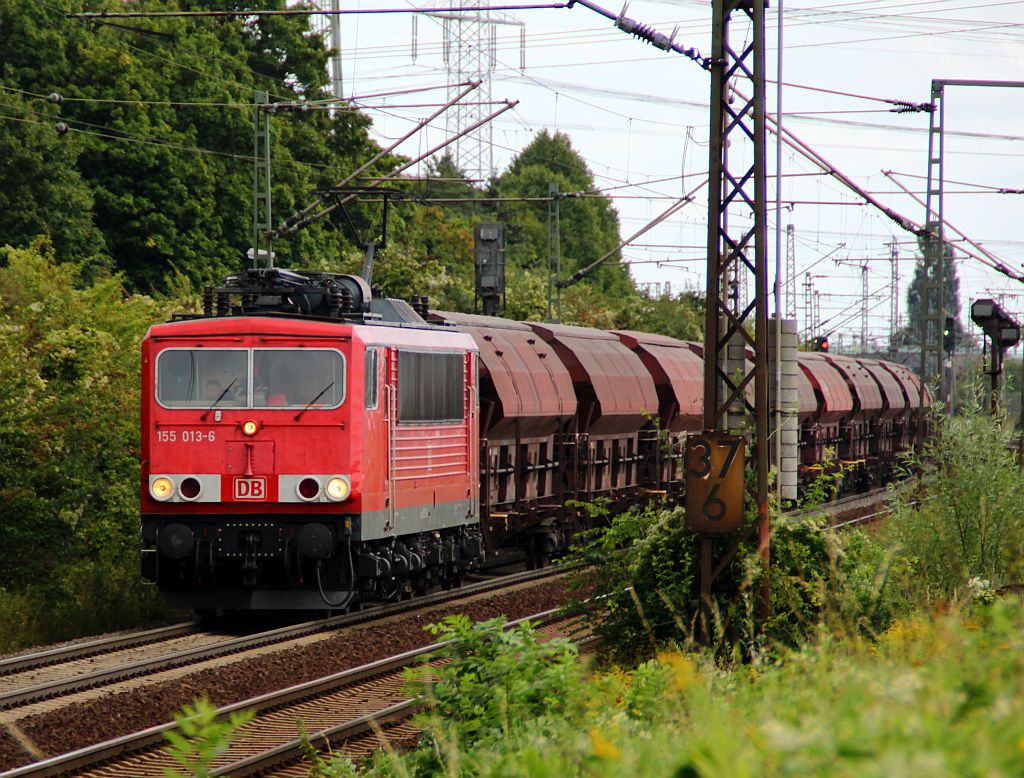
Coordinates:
492	684
646	566
494	678
646	569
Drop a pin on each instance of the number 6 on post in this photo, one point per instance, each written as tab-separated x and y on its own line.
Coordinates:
714	482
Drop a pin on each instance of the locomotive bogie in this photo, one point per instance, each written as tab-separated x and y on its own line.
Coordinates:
284	564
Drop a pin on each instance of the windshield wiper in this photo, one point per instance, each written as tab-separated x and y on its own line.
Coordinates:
219	398
310	403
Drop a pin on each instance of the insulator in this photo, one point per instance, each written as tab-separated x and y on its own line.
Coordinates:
222	304
208	301
335	300
347	304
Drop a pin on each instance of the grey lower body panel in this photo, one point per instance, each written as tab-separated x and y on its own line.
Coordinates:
378	525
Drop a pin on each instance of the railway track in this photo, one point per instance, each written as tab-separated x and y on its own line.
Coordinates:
82	650
351	706
853	509
63	671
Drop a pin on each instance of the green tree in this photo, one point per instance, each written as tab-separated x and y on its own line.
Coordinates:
161	133
444	179
950	296
41	190
589	223
69	446
678	316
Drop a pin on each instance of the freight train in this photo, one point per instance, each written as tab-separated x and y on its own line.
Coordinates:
306	445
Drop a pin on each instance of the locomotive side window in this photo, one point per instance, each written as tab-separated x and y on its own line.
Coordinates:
193	378
430	386
297	378
372	381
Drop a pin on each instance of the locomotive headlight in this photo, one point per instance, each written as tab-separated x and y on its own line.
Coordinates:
250	428
162	489
338	489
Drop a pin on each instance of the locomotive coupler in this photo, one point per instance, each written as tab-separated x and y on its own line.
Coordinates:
250	567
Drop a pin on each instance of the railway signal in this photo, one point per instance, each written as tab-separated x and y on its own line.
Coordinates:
949	335
1003	332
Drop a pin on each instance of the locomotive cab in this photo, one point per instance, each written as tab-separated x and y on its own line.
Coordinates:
293	461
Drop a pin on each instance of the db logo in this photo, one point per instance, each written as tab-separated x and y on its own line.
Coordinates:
250	488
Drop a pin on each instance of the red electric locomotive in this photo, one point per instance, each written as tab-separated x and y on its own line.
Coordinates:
304	444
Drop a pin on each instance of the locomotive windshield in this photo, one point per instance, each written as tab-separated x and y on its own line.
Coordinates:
289	378
250	378
194	378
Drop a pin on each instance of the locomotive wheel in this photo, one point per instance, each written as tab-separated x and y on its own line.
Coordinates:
538	554
421	585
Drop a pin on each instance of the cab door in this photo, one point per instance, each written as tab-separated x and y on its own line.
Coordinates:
390	398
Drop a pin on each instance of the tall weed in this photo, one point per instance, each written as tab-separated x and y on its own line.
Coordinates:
971	523
200	738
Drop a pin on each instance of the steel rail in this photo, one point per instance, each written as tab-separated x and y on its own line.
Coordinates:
281	634
22	662
77	761
287	753
840	504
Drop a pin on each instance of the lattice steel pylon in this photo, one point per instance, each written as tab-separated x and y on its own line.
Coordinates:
790	271
932	302
329	27
470	52
737	188
261	200
894	296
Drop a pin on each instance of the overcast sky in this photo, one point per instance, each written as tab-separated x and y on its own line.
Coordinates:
639	115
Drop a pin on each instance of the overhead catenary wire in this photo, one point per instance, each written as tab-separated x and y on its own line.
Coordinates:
590	35
988	187
298	219
676	206
984	256
101	15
